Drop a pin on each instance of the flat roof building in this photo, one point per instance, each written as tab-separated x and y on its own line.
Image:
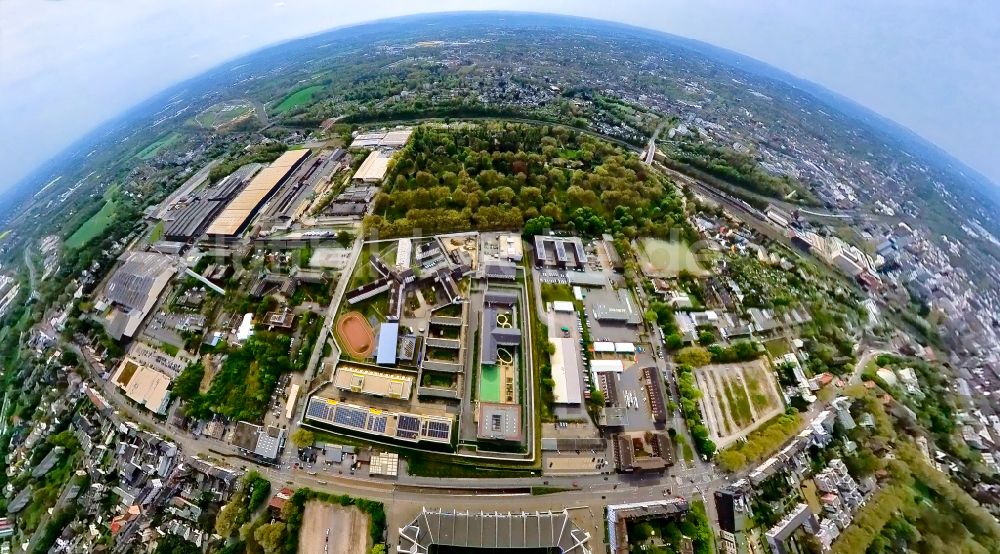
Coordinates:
388	335
385	464
509	248
566	371
499	422
263	442
396	139
623	311
563	306
368	420
561	252
373	383
404	252
374	168
383	139
143	385
606	366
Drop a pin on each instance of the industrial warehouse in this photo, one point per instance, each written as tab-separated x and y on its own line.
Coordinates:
235	217
188	218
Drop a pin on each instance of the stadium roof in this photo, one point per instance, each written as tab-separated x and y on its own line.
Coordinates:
493	531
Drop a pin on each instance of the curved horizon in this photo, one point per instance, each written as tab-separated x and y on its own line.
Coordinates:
761	68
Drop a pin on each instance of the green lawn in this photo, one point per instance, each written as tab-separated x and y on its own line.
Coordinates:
489	384
92	227
552	292
297	98
154	148
206	118
777	347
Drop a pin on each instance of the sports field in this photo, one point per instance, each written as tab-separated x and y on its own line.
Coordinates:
662	258
356	335
489	383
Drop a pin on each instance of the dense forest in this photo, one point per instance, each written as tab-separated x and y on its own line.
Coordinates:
511	176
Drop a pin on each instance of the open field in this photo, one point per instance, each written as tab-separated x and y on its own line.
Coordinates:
737	398
297	98
661	258
356	335
154	148
93	226
348	528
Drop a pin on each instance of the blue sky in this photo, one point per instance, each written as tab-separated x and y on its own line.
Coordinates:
67	66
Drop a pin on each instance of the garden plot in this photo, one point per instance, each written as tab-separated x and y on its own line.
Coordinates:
737	398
